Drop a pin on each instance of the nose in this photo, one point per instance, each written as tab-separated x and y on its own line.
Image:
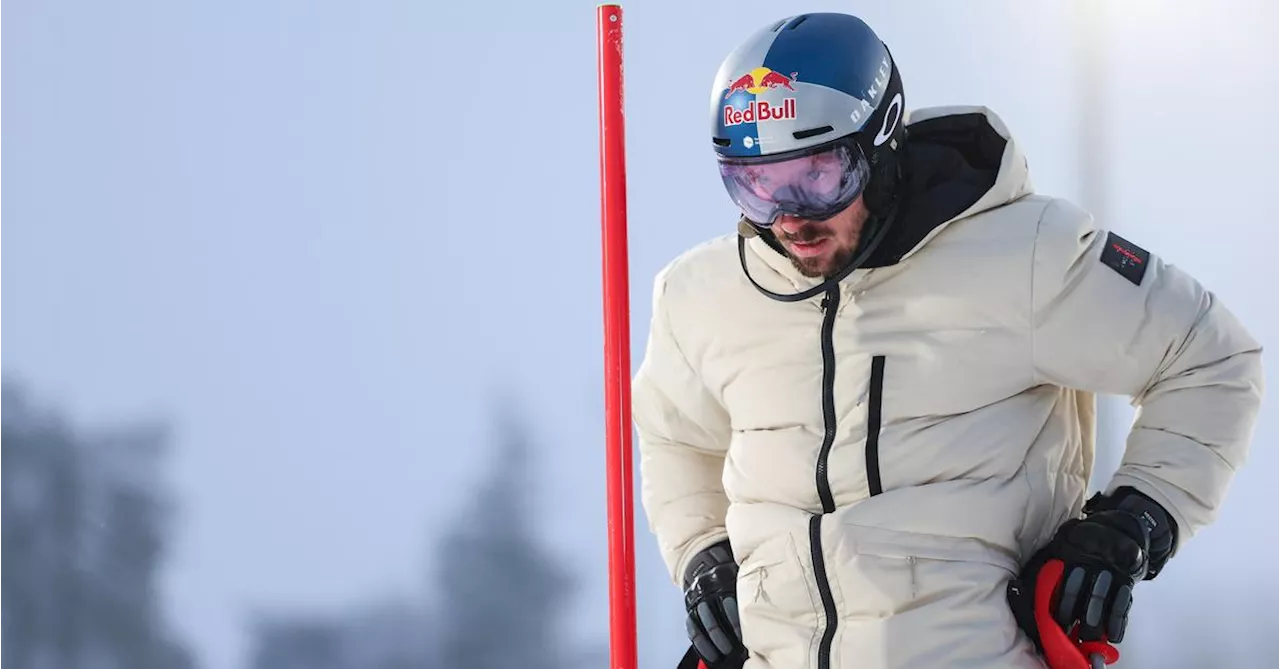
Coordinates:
790	224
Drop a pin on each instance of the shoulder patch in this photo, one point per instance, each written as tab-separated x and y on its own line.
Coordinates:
1126	258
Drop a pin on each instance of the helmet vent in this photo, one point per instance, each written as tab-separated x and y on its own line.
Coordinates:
721	141
812	132
794	24
778	25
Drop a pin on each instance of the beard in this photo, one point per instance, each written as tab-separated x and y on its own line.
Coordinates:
824	266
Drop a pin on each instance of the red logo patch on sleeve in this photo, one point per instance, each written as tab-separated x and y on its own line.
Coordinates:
1126	258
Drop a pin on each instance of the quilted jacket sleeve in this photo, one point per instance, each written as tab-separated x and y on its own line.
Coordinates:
683	436
1109	317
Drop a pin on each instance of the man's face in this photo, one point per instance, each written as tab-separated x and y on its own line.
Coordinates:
821	248
816	248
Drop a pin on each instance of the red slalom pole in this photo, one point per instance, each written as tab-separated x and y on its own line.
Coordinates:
617	338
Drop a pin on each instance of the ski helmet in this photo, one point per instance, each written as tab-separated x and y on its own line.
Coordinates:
806	115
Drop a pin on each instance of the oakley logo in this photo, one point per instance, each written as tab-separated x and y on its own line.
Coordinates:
892	115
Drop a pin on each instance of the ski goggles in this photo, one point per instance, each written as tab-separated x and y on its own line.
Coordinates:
816	186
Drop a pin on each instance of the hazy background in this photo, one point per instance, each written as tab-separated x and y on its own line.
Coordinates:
304	305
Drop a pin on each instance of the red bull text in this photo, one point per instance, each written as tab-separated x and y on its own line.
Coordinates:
759	111
755	82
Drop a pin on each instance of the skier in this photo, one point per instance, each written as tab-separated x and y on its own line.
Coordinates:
866	420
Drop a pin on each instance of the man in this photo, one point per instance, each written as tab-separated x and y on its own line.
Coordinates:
866	421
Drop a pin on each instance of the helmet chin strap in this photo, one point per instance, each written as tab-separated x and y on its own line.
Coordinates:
878	234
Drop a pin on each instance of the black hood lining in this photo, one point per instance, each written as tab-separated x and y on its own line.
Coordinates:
950	163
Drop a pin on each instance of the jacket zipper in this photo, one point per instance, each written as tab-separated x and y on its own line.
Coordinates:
830	305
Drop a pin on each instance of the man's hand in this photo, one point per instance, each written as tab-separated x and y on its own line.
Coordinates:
1121	540
710	597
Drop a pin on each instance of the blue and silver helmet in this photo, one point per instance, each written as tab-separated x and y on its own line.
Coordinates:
822	87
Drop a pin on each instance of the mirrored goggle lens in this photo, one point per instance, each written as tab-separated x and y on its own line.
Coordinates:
816	186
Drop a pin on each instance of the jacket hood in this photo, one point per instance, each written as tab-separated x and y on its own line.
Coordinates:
960	161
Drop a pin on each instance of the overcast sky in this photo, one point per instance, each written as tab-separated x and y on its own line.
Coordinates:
318	237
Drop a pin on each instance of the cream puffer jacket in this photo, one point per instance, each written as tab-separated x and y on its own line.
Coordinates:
885	455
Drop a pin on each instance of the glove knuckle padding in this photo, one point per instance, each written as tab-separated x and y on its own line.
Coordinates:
1070	594
1120	613
1097	599
731	611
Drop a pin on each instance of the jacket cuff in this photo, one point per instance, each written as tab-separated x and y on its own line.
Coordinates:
694	548
708	558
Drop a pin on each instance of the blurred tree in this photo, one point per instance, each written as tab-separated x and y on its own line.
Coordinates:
297	643
502	593
498	600
83	543
386	635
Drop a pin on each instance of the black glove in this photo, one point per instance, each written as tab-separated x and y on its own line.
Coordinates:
1123	539
710	597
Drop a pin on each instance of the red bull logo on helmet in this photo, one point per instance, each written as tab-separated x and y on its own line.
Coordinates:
757	81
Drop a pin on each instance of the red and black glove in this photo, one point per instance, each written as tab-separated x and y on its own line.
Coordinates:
710	598
1122	539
